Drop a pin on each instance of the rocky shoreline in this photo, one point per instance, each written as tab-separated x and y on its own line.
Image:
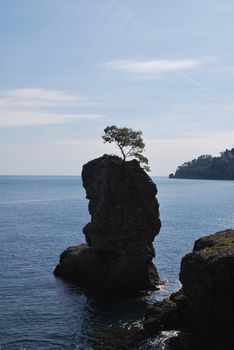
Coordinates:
204	308
200	315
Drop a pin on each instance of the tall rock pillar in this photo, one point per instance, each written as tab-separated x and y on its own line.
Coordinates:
118	253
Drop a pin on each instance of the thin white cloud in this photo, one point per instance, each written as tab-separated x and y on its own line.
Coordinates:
42	95
22	107
13	119
152	67
40	98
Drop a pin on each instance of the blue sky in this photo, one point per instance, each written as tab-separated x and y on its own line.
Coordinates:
70	68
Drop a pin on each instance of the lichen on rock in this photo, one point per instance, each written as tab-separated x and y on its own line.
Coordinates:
124	222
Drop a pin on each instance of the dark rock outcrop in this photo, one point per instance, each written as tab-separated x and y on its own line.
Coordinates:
162	315
205	304
207	276
167	314
124	222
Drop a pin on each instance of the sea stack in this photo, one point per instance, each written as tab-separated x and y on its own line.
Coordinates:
117	256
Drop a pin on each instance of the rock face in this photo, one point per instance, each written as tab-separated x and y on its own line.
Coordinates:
124	222
205	305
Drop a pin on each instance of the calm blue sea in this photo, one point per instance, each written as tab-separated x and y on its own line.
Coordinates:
41	216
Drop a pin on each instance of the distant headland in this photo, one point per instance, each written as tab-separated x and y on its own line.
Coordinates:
208	167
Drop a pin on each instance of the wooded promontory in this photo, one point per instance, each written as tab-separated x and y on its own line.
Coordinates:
208	167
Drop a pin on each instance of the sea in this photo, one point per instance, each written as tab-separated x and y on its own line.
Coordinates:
40	216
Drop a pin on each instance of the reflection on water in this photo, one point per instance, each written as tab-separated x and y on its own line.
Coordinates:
105	324
112	324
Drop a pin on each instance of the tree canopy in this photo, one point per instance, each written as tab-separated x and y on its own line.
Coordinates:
129	142
208	167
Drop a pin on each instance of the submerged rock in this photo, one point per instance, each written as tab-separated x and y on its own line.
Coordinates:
162	315
124	222
205	304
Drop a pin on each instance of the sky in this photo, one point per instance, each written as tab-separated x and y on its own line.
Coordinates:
69	68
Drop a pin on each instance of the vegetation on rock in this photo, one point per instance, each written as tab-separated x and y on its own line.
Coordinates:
129	142
208	167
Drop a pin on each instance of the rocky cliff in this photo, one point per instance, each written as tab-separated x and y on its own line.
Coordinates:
205	304
118	253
